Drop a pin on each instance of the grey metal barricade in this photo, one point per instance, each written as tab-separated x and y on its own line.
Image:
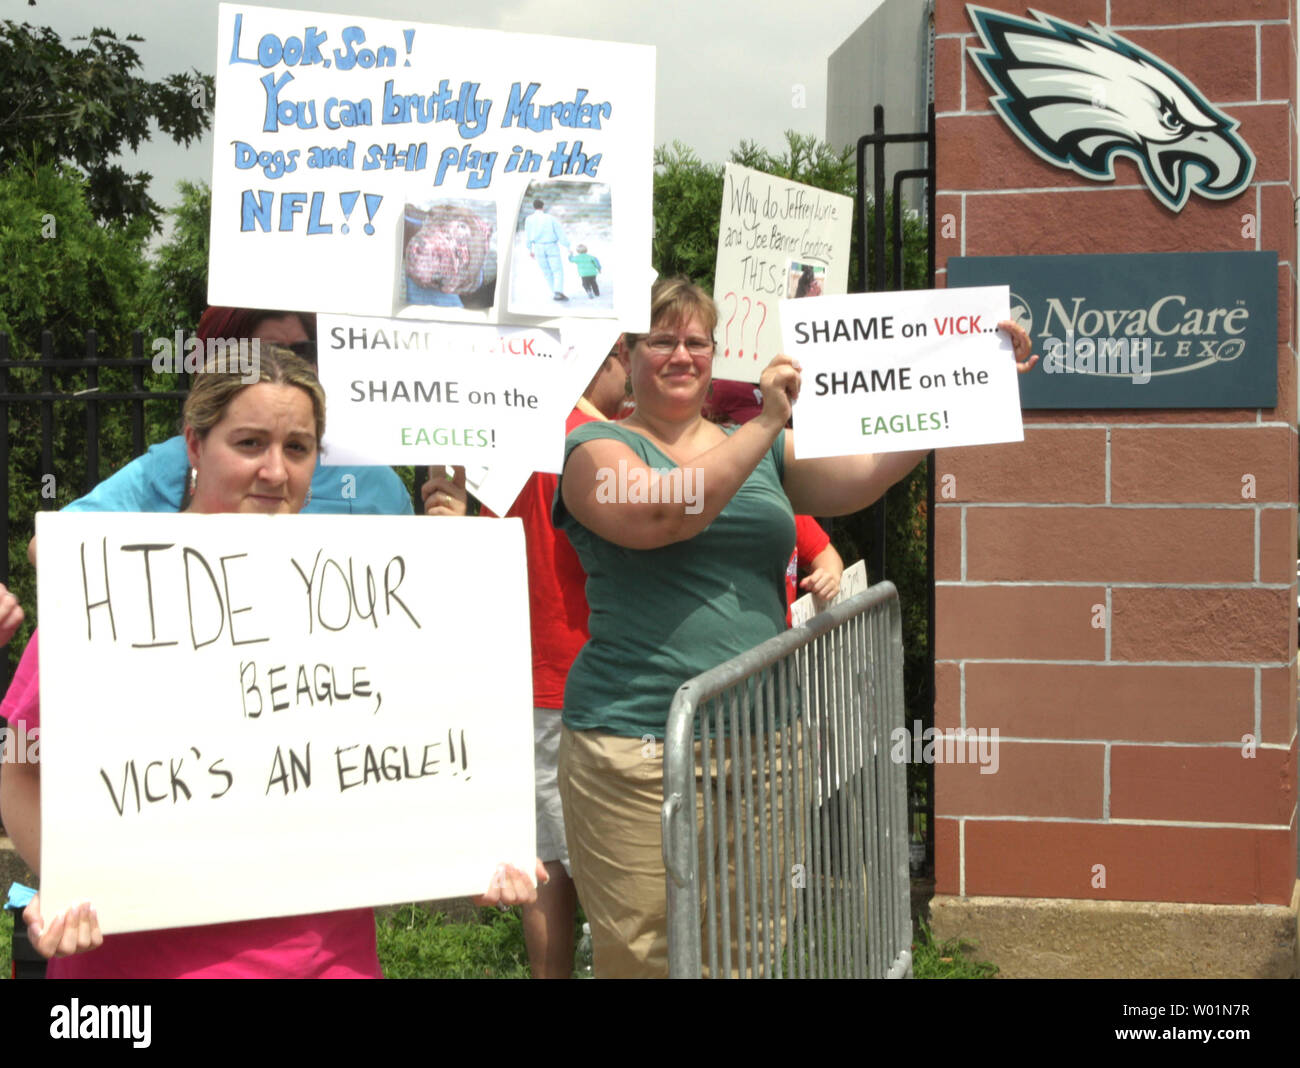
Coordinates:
778	764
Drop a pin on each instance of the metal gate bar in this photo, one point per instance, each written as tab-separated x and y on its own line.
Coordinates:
778	762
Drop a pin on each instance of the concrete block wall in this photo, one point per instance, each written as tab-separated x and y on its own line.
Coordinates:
1110	595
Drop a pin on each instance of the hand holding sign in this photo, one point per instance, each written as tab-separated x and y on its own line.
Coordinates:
75	931
510	886
1020	345
780	388
444	494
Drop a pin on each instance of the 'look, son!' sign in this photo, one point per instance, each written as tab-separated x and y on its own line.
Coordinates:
888	372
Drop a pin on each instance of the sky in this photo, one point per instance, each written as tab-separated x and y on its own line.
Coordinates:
727	70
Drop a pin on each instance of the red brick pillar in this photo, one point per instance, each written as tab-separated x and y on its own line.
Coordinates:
1109	595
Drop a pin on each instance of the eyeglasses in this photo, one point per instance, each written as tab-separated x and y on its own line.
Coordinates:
666	344
305	349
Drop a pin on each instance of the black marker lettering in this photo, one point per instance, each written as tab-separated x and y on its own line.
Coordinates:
153	642
85	586
231	610
215	769
308	583
390	592
188	554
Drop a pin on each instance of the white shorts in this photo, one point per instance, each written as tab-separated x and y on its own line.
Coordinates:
550	813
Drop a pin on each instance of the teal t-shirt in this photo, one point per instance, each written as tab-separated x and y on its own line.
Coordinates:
659	617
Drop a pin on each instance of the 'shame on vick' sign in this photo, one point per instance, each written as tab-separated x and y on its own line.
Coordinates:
893	372
246	716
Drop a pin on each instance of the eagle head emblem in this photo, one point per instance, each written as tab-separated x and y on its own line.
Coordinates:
1078	98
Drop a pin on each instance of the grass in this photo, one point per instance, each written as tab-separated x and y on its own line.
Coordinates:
946	960
415	943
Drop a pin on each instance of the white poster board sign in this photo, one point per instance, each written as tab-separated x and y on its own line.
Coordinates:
248	716
404	392
852	582
777	240
392	168
891	372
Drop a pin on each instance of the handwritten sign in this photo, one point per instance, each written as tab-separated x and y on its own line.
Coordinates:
777	240
396	168
890	372
258	716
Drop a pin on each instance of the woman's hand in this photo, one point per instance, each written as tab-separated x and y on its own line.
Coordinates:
443	495
76	931
779	386
510	886
1020	345
11	615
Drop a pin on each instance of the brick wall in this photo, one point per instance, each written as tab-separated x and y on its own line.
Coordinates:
1108	596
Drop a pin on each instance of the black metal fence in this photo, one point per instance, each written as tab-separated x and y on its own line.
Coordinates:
55	407
878	273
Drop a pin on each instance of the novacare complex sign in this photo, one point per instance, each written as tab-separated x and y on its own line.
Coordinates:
1150	330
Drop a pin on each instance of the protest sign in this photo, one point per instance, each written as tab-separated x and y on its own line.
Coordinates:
586	346
890	372
777	240
394	168
261	716
404	392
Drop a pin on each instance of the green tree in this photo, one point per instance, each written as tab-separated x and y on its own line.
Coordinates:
806	160
688	196
64	271
177	289
68	274
86	105
687	207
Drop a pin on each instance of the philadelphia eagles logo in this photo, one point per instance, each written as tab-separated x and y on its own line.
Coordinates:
1078	98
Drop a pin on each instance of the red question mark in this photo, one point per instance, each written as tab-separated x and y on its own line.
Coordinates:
743	321
763	305
727	328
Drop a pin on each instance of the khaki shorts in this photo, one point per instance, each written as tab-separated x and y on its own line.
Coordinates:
612	789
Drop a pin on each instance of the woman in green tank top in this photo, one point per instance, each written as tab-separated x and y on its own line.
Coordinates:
684	531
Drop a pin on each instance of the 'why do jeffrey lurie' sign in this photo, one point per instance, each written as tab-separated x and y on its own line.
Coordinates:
374	167
777	240
246	716
888	372
1141	330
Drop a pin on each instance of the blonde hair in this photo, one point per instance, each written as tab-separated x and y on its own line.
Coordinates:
678	300
220	382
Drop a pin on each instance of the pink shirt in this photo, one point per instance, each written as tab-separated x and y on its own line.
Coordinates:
329	945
